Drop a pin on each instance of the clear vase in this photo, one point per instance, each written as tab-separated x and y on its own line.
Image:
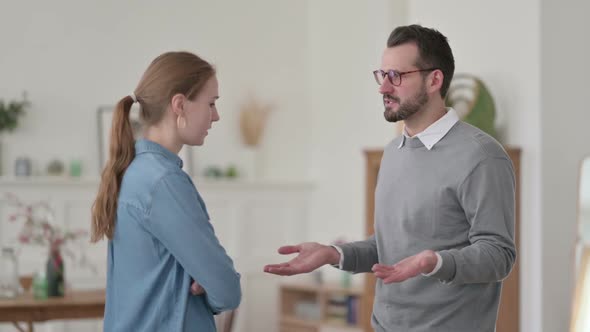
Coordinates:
9	284
55	273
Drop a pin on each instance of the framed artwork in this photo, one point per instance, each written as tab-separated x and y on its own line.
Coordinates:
105	119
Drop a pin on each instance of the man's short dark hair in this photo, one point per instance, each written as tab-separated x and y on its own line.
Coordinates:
433	47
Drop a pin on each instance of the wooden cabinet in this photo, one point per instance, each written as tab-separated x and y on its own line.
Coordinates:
308	307
508	316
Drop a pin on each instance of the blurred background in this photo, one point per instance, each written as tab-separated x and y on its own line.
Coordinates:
309	64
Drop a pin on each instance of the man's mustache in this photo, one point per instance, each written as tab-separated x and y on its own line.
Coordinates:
390	97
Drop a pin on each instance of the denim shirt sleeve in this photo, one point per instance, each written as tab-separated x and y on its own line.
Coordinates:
179	221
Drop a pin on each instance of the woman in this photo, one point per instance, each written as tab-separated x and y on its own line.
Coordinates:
166	269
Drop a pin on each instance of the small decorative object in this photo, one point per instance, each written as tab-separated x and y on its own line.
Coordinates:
9	285
253	118
26	281
213	172
40	285
75	168
55	167
22	167
216	172
231	172
38	229
472	100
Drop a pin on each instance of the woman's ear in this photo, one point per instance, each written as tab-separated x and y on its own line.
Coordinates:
177	104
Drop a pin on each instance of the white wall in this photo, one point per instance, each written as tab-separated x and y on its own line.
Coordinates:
72	56
564	76
499	42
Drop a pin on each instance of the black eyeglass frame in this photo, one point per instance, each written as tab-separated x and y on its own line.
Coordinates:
394	74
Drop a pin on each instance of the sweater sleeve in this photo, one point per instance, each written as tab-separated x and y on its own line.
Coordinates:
487	195
178	219
359	256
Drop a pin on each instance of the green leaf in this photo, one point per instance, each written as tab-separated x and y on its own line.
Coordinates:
11	112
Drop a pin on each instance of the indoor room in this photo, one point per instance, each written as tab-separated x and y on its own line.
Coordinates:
295	154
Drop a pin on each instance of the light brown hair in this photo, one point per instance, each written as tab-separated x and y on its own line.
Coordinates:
169	74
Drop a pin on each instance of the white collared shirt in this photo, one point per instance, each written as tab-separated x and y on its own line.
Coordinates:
436	131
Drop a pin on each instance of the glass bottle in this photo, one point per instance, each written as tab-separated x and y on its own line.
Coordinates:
9	284
55	273
40	285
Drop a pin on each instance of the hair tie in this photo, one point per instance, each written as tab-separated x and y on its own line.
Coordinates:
133	96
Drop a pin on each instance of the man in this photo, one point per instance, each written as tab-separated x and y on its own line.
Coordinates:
444	204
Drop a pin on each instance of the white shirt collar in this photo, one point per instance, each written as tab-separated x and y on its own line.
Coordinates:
436	131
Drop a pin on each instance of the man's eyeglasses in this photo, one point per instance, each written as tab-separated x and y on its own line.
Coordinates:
395	77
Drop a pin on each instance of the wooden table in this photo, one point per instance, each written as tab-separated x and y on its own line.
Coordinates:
76	304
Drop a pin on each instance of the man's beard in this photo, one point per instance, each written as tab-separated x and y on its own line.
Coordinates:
406	109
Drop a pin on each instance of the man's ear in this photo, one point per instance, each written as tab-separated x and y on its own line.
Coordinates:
177	104
435	80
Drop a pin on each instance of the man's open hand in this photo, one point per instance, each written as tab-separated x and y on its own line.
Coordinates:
410	267
311	255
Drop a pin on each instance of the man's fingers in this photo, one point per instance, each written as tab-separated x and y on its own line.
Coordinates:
389	275
377	267
281	269
286	250
388	281
382	267
386	274
275	266
395	277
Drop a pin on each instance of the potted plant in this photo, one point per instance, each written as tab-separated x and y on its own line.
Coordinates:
10	113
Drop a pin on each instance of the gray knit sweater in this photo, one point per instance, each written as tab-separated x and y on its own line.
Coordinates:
456	199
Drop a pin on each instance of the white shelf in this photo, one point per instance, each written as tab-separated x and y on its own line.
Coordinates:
200	182
47	181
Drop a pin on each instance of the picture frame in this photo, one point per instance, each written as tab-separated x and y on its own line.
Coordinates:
104	118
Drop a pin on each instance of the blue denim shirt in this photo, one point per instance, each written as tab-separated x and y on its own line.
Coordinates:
163	240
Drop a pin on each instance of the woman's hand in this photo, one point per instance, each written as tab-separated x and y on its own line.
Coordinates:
196	289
